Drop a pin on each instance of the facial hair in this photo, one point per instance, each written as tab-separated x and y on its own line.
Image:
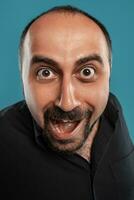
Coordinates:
57	114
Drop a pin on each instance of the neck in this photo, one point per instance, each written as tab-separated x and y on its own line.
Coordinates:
85	150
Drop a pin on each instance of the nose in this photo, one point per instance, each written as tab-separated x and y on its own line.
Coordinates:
67	99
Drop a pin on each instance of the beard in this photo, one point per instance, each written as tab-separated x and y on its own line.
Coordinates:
60	141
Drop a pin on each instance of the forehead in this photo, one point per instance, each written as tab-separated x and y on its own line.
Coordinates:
65	20
65	33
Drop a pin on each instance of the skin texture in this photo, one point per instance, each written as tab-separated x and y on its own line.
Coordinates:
65	39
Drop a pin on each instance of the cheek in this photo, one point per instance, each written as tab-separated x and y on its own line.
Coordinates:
95	96
100	98
39	97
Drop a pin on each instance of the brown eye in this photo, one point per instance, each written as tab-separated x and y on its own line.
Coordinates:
87	73
45	73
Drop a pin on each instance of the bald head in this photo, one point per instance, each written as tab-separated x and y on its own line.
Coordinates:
66	12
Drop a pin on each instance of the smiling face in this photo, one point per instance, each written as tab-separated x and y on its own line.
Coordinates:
65	74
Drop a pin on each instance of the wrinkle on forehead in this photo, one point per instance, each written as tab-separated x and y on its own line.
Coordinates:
64	34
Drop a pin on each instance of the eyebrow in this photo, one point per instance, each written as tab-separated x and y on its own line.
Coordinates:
43	59
92	57
49	61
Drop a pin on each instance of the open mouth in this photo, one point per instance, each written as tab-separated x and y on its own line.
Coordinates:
65	129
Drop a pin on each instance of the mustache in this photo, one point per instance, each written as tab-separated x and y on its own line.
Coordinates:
57	114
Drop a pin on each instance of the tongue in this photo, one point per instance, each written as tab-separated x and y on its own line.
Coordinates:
65	127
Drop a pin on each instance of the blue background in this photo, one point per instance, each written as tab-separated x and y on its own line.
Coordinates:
117	16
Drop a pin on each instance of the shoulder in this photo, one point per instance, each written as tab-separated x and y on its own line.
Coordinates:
12	109
113	110
14	112
115	101
15	118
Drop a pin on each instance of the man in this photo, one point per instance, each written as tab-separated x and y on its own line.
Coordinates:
68	139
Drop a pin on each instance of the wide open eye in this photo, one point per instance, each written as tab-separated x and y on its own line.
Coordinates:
45	73
87	73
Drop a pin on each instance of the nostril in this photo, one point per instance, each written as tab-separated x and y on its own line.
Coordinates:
67	104
66	99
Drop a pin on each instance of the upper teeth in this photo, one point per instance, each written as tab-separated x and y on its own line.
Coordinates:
65	121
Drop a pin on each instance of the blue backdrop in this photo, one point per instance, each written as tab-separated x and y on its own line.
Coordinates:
118	17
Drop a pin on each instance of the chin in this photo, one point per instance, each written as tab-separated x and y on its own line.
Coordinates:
67	145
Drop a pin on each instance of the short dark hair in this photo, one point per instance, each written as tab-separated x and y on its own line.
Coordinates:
72	10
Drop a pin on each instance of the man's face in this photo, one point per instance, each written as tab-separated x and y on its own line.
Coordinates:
65	73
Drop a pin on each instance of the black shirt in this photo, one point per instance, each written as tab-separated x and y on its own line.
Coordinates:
31	170
99	145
